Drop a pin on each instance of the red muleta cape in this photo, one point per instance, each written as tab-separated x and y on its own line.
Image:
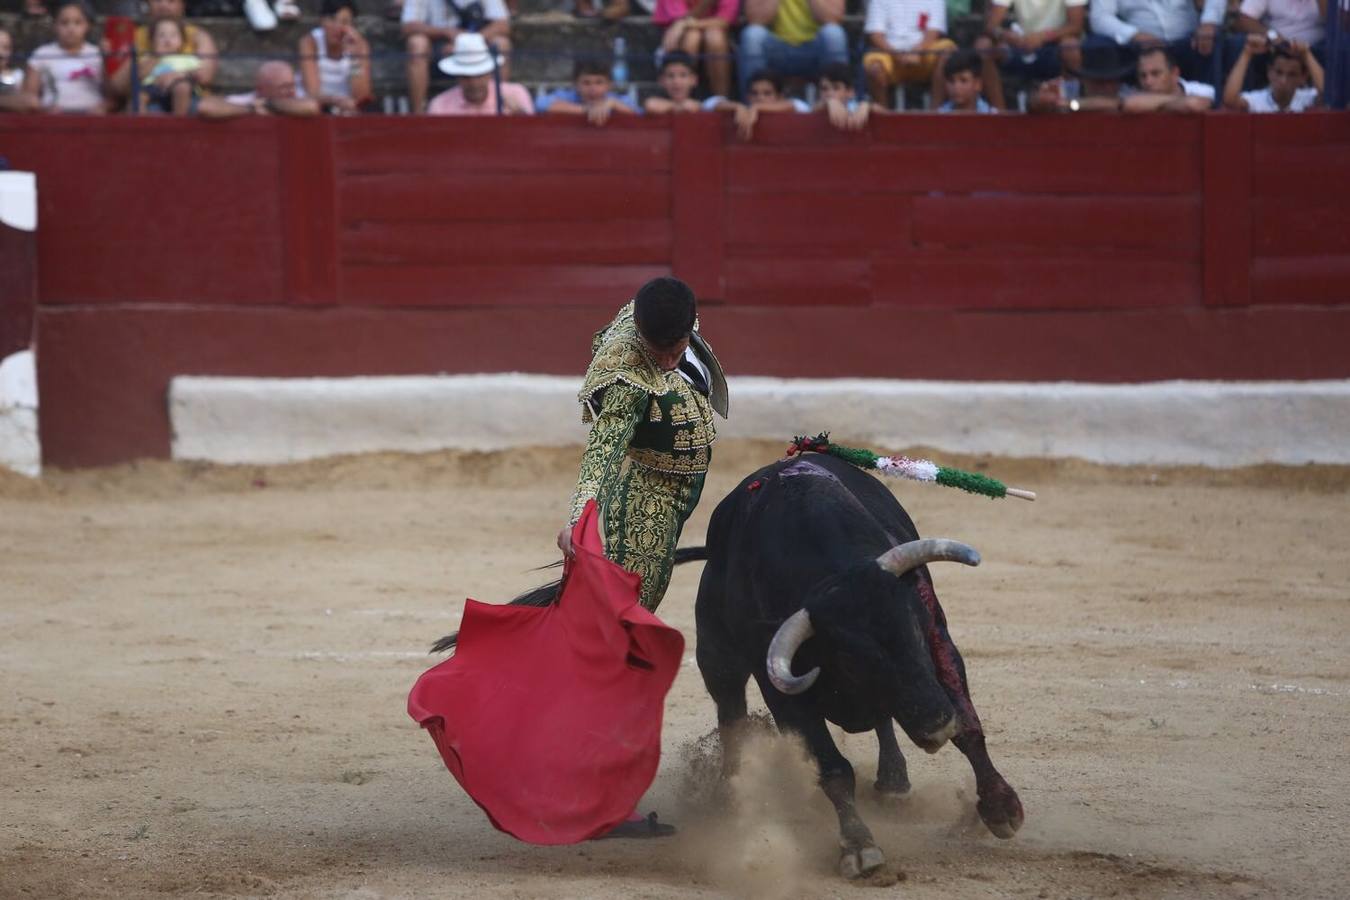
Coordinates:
550	718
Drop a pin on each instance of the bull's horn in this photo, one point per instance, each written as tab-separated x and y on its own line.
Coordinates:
911	555
786	641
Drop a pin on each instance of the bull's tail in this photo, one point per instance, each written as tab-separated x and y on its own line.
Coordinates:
546	594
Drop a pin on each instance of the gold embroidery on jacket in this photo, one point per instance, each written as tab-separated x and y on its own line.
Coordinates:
643	525
605	446
646	455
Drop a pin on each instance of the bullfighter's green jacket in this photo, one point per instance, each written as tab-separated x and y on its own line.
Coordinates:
648	450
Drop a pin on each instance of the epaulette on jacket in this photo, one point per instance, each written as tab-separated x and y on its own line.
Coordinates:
618	355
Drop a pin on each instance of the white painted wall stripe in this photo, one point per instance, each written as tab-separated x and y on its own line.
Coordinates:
1222	424
18	200
19	449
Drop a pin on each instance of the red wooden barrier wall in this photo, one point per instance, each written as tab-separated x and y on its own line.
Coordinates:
1088	248
18	289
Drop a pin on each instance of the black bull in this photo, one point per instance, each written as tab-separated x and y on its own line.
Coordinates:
814	566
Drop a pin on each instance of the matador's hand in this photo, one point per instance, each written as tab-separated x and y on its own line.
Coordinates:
565	542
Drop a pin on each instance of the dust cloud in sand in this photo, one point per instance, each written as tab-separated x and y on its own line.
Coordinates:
204	672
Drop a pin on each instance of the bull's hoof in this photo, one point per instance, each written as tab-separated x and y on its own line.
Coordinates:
1001	811
856	862
1003	830
891	790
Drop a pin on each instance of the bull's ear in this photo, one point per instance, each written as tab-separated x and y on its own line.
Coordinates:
912	554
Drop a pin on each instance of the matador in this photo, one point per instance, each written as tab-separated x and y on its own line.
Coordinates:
649	394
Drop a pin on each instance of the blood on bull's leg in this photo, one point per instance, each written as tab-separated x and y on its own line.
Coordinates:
999	805
892	773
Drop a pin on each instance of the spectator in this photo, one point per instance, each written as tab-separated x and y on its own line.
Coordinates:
11	76
792	37
13	98
178	96
1161	87
433	24
591	95
963	76
196	42
263	17
763	94
287	10
906	40
475	94
838	99
1134	24
1044	41
699	28
612	11
1096	87
1291	66
273	93
1292	20
1279	20
66	75
678	79
335	59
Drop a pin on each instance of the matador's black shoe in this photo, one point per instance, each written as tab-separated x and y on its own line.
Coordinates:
639	827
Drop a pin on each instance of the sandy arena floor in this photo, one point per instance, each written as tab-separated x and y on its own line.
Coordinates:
203	674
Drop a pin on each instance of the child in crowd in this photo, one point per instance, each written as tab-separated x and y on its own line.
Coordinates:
678	79
591	95
335	59
169	85
767	91
963	75
67	75
838	99
699	28
764	92
1292	66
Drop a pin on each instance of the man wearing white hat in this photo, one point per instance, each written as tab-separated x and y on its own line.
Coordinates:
428	24
475	94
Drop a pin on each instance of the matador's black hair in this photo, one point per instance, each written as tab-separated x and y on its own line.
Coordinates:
664	311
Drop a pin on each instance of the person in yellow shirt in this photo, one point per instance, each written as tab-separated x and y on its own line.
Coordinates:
196	42
791	37
167	41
